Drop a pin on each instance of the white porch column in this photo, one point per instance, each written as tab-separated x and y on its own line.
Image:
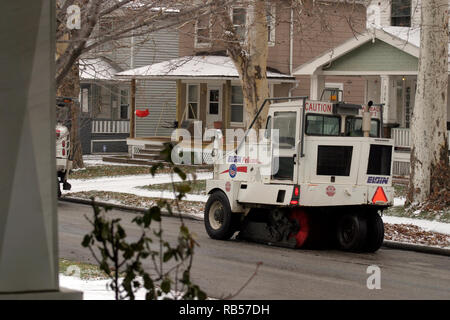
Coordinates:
28	224
388	96
316	87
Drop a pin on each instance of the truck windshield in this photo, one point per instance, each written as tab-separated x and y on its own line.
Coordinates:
353	127
320	125
285	123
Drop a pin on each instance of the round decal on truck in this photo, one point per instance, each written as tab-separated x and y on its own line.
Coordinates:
233	170
331	191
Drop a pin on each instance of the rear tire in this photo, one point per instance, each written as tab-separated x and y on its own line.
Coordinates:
375	232
352	232
220	222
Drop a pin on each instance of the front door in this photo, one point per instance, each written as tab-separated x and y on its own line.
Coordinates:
214	106
285	146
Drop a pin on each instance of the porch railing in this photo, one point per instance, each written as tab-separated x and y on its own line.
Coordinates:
110	126
402	137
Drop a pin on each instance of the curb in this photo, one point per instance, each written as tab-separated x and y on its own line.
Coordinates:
122	207
416	247
386	243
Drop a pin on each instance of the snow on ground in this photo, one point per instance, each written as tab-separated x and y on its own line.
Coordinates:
99	289
399	201
130	184
427	225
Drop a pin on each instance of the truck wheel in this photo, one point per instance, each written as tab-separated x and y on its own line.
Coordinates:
375	232
352	232
219	220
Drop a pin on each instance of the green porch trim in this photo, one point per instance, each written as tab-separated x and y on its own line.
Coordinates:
374	56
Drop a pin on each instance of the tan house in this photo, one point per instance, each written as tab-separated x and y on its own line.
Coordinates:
385	58
208	85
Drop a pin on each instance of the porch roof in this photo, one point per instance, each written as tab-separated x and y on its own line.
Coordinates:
402	41
194	67
97	69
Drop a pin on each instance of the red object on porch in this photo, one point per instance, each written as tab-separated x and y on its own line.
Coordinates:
142	113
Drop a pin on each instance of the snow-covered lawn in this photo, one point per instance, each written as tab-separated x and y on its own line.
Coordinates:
427	225
130	184
98	289
399	201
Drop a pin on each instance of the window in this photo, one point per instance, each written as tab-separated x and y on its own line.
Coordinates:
124	104
203	32
286	123
237	105
333	92
334	160
85	99
271	24
239	19
192	101
353	127
401	13
380	160
320	125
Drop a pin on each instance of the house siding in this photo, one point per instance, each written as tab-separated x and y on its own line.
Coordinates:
378	56
310	40
158	96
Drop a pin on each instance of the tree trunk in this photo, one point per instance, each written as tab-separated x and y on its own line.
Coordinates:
70	87
428	123
250	58
254	78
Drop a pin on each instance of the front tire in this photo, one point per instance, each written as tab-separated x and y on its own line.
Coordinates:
352	232
219	220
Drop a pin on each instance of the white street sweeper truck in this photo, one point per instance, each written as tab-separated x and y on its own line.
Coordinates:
319	175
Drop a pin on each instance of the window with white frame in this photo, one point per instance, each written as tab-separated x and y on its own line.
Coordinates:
84	95
239	20
237	105
192	101
271	11
333	91
203	32
401	13
124	104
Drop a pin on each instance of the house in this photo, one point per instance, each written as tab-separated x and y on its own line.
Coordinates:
105	100
208	88
386	58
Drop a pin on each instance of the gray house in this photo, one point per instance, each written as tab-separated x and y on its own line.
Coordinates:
105	100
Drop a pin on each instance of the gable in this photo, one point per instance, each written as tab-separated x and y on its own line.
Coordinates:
374	56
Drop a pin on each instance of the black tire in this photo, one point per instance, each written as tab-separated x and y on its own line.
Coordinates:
352	232
220	223
375	232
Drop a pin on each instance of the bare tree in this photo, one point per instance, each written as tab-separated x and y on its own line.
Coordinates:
132	18
249	50
429	156
247	42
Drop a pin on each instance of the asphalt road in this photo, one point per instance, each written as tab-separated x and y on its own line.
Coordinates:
222	267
